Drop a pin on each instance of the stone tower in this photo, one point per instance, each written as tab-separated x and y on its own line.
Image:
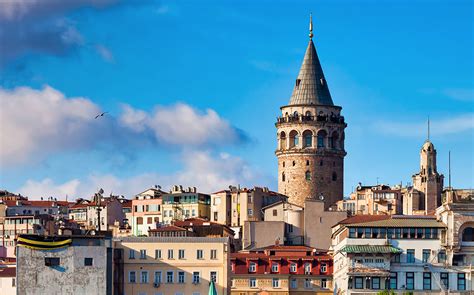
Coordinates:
310	138
428	181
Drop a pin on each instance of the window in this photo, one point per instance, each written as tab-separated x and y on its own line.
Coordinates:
410	281
274	267
334	176
359	283
308	138
307	175
307	284
139	220
157	254
293	267
181	254
252	267
294	139
131	254
426	255
321	136
276	283
442	256
445	279
293	284
397	233
323	267
250	212
213	254
307	268
352	232
393	280
170	254
461	281
142	254
324	283
196	277
51	261
307	162
13	282
193	212
169	277
132	277
213	276
283	176
144	277
253	283
375	283
426	281
157	277
468	234
149	220
199	254
368	232
396	258
411	256
275	212
88	261
181	277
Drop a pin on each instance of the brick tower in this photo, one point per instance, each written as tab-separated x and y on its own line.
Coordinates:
310	138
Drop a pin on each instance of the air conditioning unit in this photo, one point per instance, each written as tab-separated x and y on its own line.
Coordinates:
156	285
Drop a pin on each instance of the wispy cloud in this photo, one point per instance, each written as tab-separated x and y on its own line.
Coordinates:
207	171
105	53
462	94
453	125
38	123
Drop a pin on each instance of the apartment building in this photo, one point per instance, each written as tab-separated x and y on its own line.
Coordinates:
376	199
173	265
146	211
182	203
280	269
400	253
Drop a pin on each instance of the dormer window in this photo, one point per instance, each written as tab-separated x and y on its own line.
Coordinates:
274	267
298	81
252	267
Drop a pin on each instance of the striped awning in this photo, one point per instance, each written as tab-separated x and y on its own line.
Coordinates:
370	249
43	243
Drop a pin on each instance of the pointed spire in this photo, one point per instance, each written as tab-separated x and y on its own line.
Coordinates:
311	87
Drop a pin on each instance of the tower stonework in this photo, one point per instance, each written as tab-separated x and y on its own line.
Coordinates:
310	137
428	181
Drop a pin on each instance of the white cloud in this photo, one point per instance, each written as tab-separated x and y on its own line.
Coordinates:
181	124
105	53
37	123
201	169
453	125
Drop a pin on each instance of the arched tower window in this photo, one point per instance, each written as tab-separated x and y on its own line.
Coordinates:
283	176
322	138
294	140
307	162
468	234
334	176
307	175
308	138
283	164
282	140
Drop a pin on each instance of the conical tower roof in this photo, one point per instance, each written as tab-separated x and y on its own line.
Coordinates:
311	87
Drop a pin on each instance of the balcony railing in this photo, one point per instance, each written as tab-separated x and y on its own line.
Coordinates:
324	118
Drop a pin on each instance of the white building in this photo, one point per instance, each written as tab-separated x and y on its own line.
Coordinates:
401	253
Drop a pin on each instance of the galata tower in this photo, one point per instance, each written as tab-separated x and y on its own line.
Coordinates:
310	137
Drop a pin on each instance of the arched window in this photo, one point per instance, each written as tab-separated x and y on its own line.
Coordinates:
307	175
334	176
308	138
295	113
307	162
294	140
468	234
322	138
283	164
283	176
282	140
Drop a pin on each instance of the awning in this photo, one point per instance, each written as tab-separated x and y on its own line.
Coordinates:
370	249
44	243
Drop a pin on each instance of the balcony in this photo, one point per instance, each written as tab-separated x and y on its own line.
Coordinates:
299	119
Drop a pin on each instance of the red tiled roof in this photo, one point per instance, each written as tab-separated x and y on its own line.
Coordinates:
8	272
78	206
167	229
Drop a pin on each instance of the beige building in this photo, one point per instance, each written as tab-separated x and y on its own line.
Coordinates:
310	135
373	200
174	265
292	215
182	203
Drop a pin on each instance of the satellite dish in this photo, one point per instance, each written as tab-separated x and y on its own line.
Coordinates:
321	197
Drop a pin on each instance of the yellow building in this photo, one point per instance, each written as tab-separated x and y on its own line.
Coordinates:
173	265
181	204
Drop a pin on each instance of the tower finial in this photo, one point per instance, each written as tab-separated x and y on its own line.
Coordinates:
310	26
428	128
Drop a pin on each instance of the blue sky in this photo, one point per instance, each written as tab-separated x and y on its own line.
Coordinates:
192	90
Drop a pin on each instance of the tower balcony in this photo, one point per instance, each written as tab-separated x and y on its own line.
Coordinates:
310	119
320	151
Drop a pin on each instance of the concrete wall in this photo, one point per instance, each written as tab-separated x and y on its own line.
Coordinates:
70	277
318	224
258	234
